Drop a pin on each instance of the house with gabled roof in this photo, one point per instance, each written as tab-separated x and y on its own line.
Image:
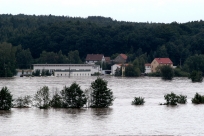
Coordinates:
160	62
121	58
93	58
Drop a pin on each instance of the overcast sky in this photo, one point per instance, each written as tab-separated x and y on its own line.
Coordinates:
165	11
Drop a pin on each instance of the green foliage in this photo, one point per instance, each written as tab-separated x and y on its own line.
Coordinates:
198	99
52	58
73	57
23	102
101	96
196	76
42	98
73	96
180	73
36	73
24	58
5	99
56	101
138	101
131	71
182	99
167	72
7	60
194	63
171	99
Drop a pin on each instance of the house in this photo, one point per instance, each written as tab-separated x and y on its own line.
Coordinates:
68	69
121	58
118	66
147	68
160	62
93	58
107	60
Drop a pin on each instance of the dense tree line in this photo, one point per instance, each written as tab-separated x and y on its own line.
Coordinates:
57	39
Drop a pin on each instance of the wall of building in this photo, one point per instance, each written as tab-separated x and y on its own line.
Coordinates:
68	69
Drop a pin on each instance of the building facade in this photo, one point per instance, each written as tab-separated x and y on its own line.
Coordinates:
68	69
160	62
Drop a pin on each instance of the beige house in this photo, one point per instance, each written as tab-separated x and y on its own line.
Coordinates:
160	62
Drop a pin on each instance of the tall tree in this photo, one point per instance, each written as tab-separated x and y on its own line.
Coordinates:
73	96
7	60
102	96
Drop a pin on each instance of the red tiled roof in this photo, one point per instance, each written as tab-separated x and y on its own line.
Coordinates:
123	56
147	64
107	59
163	60
94	57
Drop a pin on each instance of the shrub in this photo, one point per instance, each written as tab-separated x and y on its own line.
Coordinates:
42	98
56	101
182	99
171	99
196	76
167	72
73	96
138	101
101	96
5	99
23	102
198	99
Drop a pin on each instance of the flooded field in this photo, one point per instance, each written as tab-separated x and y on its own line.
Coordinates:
120	119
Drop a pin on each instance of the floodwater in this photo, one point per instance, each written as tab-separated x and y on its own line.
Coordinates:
121	118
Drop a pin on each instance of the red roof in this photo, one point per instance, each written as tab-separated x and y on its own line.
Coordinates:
147	64
163	60
94	57
107	59
123	56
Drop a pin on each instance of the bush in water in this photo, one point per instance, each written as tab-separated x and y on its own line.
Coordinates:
23	102
198	99
138	101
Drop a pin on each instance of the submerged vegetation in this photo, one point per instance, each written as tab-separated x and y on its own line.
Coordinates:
138	101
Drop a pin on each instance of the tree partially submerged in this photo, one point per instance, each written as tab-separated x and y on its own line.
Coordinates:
23	102
173	99
5	99
198	99
138	101
101	96
73	96
42	98
196	76
167	72
56	101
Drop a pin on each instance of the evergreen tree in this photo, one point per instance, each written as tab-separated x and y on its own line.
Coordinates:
5	99
73	96
102	96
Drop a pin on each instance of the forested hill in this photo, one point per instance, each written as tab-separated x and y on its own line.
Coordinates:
102	35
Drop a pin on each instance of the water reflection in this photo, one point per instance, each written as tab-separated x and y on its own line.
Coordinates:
5	113
101	111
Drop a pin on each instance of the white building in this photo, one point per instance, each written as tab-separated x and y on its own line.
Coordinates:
147	68
68	69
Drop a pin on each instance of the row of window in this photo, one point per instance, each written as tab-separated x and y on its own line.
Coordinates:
82	74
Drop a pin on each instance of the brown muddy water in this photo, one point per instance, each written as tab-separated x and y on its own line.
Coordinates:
121	118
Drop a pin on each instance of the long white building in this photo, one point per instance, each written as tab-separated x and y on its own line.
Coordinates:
68	69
